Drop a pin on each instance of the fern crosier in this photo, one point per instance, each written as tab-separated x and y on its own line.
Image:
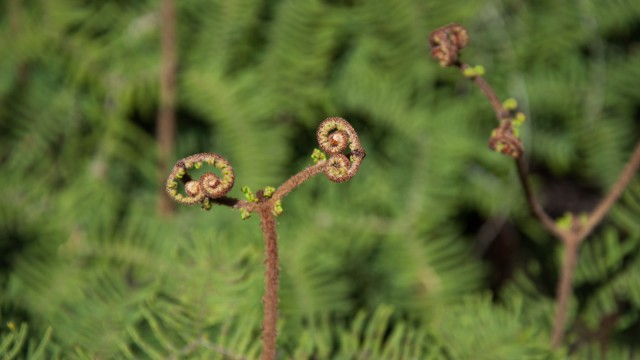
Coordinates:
446	43
208	187
334	135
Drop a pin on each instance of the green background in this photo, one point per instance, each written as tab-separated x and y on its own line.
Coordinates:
429	252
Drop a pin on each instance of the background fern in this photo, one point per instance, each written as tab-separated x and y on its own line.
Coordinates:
429	253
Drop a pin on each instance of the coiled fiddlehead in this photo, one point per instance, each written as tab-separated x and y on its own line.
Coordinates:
334	135
504	140
446	43
208	187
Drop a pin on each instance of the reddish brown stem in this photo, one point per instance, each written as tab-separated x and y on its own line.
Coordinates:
297	179
596	216
565	289
534	205
572	242
270	299
533	202
14	17
487	90
166	120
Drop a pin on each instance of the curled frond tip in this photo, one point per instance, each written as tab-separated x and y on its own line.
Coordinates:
446	43
335	134
209	186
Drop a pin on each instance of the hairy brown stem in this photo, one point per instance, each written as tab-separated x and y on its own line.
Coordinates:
565	288
166	120
297	179
270	299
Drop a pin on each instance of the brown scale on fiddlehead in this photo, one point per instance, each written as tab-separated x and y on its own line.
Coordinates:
205	189
446	42
334	135
504	140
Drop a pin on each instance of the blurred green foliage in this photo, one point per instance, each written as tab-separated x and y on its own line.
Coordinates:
428	253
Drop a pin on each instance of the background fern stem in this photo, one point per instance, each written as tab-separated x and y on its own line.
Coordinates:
487	90
564	290
533	202
166	118
628	172
270	299
572	237
523	173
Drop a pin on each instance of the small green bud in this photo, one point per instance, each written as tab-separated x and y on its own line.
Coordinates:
245	214
510	104
248	194
475	71
181	173
172	184
188	164
198	165
479	69
565	222
277	208
268	191
520	118
318	155
469	72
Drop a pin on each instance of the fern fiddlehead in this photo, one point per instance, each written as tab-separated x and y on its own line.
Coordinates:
334	135
446	43
205	189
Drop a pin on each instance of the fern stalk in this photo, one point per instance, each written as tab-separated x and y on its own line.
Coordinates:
446	43
166	120
269	331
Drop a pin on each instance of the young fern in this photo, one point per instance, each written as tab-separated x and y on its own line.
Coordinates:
446	43
334	136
